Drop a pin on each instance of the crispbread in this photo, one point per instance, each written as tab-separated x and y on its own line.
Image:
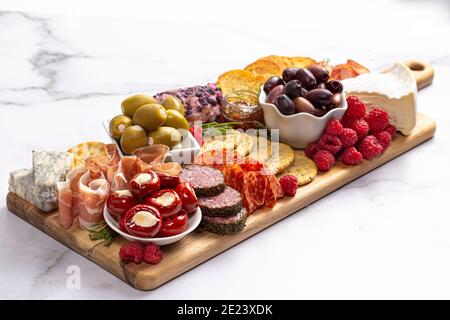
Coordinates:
245	146
280	161
303	168
262	149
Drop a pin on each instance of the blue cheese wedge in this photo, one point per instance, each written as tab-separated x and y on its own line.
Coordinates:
50	167
21	182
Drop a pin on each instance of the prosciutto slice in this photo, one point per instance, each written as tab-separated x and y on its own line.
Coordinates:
98	167
93	192
155	153
68	201
128	167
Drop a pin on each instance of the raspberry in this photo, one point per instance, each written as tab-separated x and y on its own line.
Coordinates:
384	138
334	127
346	121
330	143
348	137
351	156
311	150
324	160
378	119
132	251
370	148
361	128
152	253
392	130
289	184
356	108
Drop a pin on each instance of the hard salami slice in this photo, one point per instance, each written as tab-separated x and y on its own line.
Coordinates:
224	204
206	181
254	190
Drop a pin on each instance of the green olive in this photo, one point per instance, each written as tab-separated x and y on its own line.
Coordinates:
134	137
173	103
118	124
176	120
150	116
131	104
165	135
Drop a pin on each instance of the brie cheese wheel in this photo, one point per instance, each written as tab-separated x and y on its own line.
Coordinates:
393	90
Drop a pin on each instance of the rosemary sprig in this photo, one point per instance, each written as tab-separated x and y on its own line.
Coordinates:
212	128
102	232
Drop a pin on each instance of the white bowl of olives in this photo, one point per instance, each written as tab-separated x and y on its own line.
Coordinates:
300	104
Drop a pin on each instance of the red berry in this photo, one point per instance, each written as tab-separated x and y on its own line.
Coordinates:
384	138
370	148
348	137
324	160
378	119
351	156
289	185
346	121
361	128
330	143
132	251
392	130
152	253
334	127
311	150
356	109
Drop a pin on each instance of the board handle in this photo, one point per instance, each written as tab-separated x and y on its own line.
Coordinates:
423	72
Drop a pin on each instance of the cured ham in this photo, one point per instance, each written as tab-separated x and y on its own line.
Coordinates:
68	200
93	191
155	153
99	167
86	188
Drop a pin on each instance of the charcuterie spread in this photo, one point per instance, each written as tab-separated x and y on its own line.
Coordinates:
262	133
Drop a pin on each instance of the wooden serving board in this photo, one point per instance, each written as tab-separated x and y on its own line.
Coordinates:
198	247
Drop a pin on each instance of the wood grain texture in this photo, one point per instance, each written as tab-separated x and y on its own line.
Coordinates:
198	247
422	71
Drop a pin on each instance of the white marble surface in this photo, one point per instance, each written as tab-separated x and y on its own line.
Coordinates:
385	235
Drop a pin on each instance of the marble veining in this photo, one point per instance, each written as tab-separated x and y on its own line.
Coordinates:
384	235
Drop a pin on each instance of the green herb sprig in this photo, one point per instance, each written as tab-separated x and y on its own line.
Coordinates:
102	232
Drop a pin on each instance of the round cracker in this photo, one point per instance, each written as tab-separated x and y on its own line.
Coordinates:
301	62
239	80
282	61
303	168
229	141
264	68
87	149
245	146
280	161
262	149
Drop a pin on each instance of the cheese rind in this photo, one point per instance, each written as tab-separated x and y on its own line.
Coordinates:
50	167
393	90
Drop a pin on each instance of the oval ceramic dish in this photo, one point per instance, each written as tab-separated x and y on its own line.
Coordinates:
193	222
300	129
184	152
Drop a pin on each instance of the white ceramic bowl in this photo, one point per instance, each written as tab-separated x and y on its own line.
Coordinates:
300	129
193	223
184	152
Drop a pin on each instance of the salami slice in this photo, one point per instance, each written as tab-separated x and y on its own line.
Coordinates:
224	204
206	181
254	190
